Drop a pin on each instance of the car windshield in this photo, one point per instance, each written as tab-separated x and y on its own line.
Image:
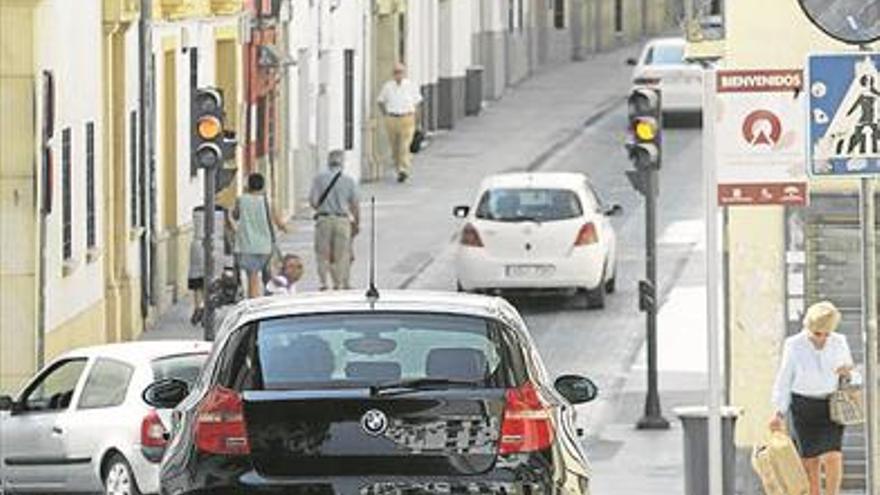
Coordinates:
184	367
356	350
665	55
540	205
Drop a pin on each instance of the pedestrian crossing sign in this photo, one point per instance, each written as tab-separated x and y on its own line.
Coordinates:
844	114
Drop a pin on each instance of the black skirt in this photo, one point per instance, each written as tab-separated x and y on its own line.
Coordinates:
814	432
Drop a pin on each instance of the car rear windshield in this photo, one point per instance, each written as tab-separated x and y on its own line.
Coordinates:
184	367
665	55
364	349
542	205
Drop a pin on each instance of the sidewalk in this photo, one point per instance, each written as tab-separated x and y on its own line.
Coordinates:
519	131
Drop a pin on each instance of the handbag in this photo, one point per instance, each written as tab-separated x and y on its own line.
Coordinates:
776	461
847	404
416	144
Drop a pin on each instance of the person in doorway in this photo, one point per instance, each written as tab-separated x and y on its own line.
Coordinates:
196	272
334	197
399	100
253	221
813	362
285	282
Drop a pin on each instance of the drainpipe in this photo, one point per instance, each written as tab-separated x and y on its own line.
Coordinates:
145	81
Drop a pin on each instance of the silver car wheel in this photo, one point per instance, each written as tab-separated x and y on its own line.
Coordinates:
118	481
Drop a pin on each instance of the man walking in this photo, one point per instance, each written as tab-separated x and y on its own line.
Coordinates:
334	197
399	100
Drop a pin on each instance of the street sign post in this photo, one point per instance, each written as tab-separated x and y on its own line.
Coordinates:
844	142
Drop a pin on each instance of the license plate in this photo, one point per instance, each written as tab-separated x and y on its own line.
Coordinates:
530	271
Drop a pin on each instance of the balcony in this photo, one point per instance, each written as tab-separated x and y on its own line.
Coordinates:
225	7
121	11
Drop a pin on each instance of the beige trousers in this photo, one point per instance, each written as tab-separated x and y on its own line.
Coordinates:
400	134
333	249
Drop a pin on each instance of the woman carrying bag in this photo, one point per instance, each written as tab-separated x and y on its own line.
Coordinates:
814	364
254	234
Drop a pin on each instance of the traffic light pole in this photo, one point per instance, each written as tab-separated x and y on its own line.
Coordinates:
653	418
208	244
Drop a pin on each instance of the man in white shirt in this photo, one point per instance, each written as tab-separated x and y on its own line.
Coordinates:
399	100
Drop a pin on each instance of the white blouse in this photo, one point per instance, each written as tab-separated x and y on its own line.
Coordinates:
808	371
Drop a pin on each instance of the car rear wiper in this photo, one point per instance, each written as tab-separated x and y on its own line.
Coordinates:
417	384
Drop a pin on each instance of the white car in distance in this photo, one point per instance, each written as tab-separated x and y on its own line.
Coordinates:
662	65
538	231
81	425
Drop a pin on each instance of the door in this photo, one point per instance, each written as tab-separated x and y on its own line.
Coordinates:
33	452
99	419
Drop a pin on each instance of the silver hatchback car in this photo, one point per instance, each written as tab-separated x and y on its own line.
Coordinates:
80	425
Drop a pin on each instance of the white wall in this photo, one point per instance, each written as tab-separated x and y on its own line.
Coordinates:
68	42
456	38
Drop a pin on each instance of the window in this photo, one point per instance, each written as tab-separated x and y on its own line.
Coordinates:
618	16
357	349
349	99
106	385
184	367
520	7
54	390
401	30
91	224
511	15
514	205
559	14
133	166
66	196
193	84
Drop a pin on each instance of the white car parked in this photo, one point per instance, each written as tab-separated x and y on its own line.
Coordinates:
80	425
538	231
662	65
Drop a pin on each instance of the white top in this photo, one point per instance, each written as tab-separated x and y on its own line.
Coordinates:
400	98
279	285
808	371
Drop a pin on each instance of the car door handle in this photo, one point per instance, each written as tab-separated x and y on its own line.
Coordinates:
56	430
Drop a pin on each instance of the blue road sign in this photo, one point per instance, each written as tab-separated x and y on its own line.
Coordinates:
843	136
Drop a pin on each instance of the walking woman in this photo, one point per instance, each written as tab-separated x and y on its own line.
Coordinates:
254	221
813	361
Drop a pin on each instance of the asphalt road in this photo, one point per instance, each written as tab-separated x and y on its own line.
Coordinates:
603	344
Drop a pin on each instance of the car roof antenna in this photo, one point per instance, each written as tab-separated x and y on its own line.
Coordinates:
372	291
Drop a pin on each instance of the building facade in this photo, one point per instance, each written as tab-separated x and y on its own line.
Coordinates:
785	258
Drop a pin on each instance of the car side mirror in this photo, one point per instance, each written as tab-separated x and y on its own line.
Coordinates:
7	403
166	394
461	211
576	389
632	61
613	210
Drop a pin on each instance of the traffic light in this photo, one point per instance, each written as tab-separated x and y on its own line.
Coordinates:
211	144
645	126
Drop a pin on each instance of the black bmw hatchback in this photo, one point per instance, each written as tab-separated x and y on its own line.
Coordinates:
415	393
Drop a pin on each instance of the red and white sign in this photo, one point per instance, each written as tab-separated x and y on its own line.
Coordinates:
760	135
773	193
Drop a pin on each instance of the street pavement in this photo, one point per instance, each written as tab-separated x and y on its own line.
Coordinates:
567	118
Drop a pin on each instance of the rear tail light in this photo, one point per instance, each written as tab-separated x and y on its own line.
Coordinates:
646	81
587	235
470	236
527	425
220	426
153	431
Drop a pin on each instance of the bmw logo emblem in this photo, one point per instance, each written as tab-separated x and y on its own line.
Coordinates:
374	422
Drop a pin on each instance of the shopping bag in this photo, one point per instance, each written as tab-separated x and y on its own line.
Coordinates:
777	462
847	404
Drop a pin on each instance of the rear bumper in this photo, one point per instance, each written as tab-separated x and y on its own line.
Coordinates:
475	270
488	484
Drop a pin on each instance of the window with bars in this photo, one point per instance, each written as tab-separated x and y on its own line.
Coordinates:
521	9
511	15
559	14
91	223
349	99
618	16
133	166
66	200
